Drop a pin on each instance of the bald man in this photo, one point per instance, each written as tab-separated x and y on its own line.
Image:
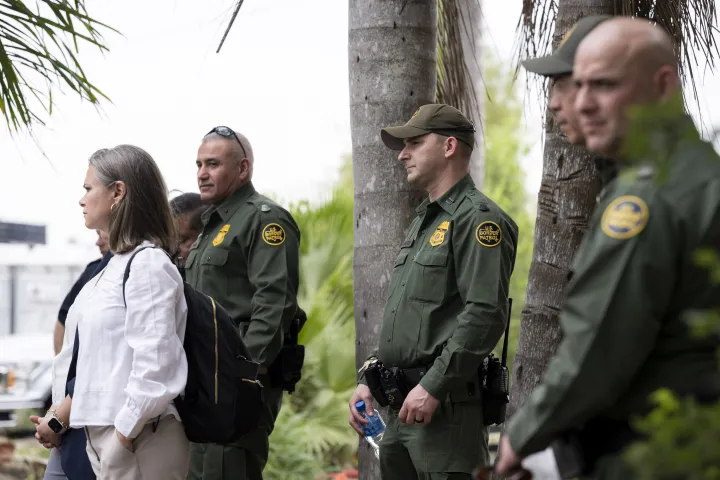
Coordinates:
246	258
635	279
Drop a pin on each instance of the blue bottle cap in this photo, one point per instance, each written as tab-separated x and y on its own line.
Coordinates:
360	406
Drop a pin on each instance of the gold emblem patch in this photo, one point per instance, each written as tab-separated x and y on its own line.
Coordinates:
625	217
273	234
439	236
488	234
221	235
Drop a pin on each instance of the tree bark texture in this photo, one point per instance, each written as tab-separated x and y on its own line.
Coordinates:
567	197
392	69
471	36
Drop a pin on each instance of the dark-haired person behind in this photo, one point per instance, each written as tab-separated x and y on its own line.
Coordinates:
87	274
187	210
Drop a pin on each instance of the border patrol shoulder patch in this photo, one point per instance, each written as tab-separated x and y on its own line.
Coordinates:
624	217
488	234
273	234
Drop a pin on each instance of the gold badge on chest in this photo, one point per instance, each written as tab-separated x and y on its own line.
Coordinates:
221	235
439	236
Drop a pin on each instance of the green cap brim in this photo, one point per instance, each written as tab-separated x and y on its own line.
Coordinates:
393	137
548	66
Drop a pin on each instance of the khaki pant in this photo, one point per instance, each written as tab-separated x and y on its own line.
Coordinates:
162	454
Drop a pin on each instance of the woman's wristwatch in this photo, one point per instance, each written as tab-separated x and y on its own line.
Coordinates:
57	425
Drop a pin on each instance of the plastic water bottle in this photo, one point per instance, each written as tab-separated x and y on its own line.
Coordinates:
375	429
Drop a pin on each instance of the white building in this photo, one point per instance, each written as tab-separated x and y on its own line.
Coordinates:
35	280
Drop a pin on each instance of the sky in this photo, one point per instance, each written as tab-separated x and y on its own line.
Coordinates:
281	79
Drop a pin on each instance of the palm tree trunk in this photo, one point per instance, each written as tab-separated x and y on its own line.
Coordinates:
392	72
567	197
471	37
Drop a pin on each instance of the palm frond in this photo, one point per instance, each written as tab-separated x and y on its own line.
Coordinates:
40	47
535	28
230	24
312	429
691	23
455	84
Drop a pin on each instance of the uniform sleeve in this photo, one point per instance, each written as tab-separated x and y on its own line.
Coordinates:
484	254
623	279
153	318
273	266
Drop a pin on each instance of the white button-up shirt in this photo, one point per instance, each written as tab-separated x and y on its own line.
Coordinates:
62	361
131	362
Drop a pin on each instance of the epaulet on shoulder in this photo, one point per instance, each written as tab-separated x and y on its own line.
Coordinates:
477	200
263	204
644	172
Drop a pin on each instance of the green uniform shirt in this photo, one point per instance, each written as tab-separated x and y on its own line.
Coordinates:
634	281
448	293
247	258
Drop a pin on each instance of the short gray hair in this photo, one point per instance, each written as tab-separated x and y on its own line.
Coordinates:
144	212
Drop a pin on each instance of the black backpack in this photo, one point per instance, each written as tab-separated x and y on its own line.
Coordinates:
223	398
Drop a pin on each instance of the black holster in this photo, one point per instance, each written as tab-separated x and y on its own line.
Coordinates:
577	453
390	386
286	370
494	380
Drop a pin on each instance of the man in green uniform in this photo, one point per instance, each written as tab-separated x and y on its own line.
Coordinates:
447	305
246	258
635	279
558	67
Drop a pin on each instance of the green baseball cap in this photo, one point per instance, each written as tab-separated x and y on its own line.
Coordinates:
432	118
563	58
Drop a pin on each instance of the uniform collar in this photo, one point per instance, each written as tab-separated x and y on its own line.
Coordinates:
228	207
607	168
451	199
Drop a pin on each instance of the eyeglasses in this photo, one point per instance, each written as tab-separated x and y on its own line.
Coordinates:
228	132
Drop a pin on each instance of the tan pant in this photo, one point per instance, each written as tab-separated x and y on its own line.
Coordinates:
163	454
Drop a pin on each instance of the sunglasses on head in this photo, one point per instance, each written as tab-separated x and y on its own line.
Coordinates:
227	132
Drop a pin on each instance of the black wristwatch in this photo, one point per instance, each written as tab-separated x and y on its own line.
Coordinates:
56	425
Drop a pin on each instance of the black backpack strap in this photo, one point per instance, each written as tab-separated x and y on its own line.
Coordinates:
507	334
126	275
127	270
72	370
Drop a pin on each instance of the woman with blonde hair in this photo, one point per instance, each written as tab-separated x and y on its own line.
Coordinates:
130	362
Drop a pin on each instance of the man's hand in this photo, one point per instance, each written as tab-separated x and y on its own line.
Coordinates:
362	392
418	407
125	442
508	461
44	434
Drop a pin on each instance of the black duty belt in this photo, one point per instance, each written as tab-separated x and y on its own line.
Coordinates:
577	453
391	385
